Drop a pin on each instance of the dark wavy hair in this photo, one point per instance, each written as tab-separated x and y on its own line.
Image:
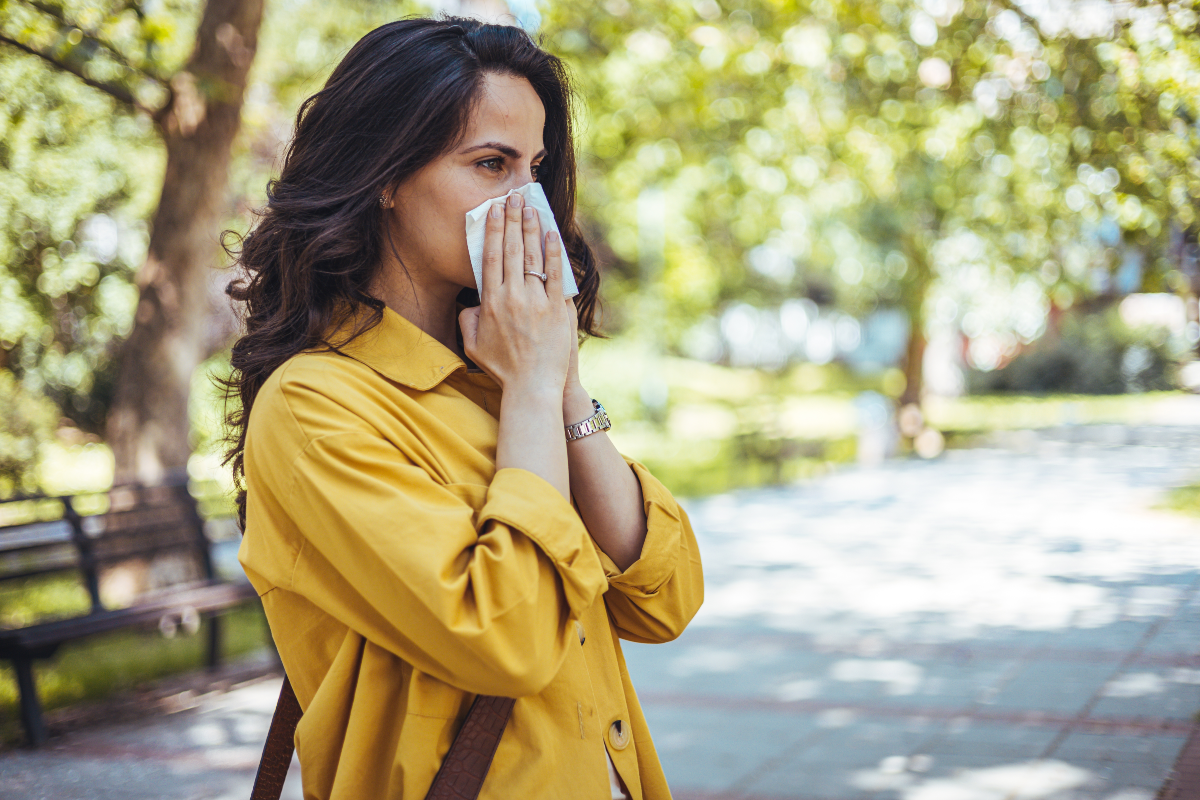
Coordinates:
399	99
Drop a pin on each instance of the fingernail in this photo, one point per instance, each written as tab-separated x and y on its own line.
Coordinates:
527	213
495	212
514	200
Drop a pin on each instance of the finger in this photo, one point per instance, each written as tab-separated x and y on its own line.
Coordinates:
493	249
554	265
532	238
468	323
573	315
514	248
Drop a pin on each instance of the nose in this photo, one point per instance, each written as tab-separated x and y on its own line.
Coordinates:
519	178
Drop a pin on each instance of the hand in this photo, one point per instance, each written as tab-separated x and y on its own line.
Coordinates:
520	332
573	385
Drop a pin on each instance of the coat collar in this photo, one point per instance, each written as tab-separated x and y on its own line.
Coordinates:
402	352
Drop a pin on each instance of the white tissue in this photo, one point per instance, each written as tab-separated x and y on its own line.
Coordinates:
534	196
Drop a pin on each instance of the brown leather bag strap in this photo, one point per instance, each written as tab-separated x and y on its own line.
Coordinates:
459	778
470	756
281	743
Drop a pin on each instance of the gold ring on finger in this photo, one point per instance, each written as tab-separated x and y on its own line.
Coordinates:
541	275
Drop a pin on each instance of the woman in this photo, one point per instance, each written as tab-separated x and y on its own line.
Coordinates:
417	523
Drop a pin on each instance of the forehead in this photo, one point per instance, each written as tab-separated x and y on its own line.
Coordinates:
508	111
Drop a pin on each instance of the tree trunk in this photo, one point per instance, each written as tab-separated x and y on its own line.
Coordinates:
914	359
148	426
916	287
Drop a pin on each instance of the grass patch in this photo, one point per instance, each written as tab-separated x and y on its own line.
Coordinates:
695	467
983	413
1184	499
100	666
41	598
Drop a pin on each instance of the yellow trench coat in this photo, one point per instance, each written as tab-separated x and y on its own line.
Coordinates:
402	574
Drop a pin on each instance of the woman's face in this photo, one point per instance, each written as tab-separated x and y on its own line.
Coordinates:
500	150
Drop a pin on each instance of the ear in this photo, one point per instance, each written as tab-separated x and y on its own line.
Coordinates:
387	197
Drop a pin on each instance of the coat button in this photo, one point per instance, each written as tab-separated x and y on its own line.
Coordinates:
618	735
579	630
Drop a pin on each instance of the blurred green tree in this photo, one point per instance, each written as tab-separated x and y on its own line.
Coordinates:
856	153
147	95
82	171
861	151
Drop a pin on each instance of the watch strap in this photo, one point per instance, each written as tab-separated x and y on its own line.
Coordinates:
598	421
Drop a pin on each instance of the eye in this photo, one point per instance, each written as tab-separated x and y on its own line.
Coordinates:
492	164
534	170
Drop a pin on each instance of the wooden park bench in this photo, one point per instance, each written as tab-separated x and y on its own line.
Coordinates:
85	535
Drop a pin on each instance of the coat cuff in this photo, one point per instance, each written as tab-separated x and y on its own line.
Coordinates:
530	504
660	551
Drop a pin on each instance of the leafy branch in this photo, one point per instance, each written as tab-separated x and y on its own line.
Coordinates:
116	91
56	12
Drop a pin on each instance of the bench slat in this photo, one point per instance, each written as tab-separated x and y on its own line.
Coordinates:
205	599
29	561
34	534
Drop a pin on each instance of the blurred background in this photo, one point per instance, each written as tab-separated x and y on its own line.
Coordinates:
841	243
811	217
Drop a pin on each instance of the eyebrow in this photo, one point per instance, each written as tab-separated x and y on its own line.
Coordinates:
511	152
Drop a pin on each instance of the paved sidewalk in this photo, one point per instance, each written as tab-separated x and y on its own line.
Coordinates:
195	738
1013	623
997	624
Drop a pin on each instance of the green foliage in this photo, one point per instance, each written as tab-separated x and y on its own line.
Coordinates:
862	153
966	416
81	171
132	49
831	148
30	600
79	177
29	419
1094	353
1184	499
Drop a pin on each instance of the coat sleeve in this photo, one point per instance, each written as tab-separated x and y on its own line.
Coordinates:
480	601
656	597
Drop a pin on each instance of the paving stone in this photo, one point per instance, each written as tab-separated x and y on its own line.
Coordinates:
715	749
1111	774
1177	637
828	782
1054	686
1153	751
1149	694
1010	742
962	777
864	744
754	669
1118	635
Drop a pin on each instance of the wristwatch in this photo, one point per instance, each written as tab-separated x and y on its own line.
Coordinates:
598	421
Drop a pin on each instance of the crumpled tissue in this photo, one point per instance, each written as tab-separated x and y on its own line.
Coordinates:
534	196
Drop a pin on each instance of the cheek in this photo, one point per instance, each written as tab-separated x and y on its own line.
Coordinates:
452	200
436	221
436	217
